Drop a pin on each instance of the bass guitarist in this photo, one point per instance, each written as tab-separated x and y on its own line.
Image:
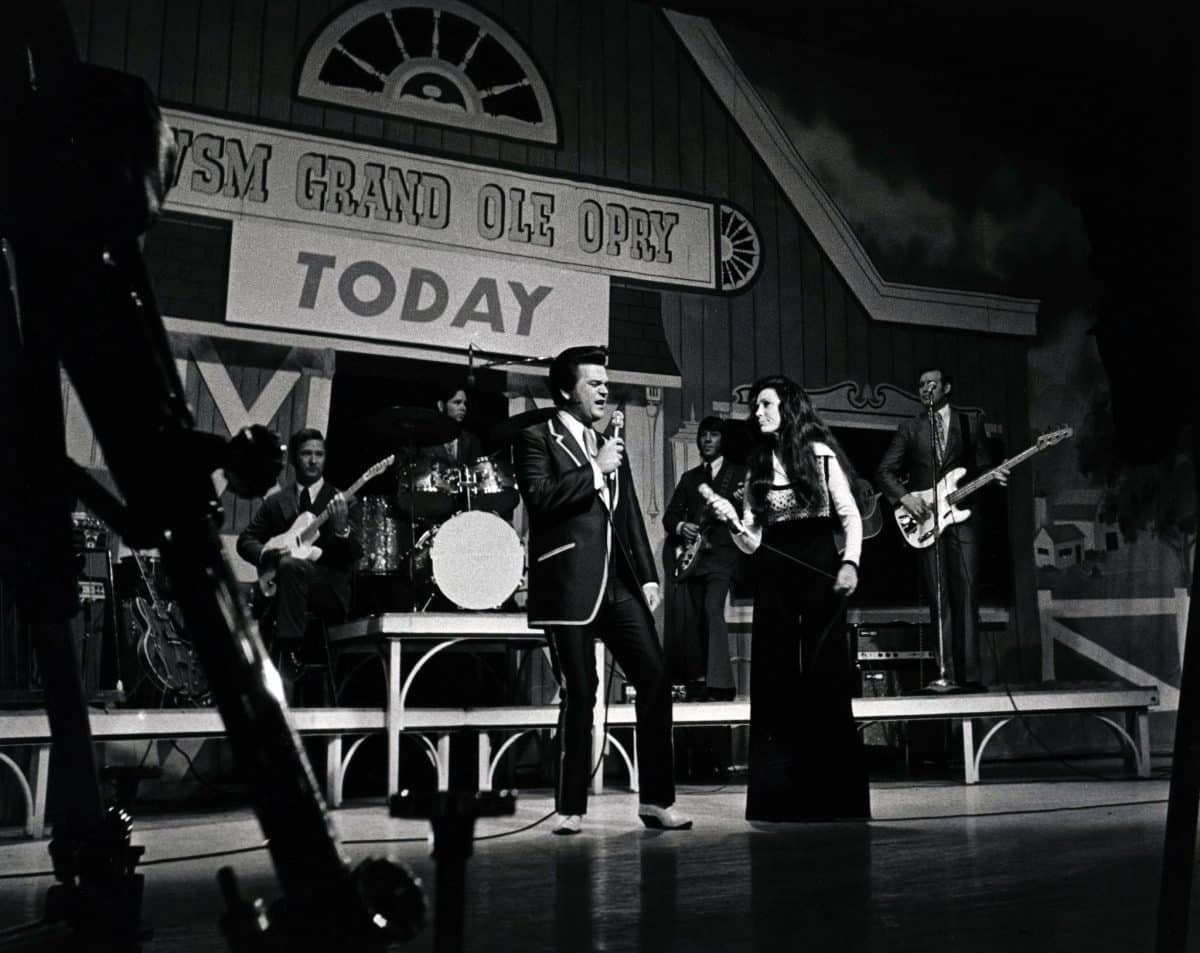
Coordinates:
961	443
322	586
697	644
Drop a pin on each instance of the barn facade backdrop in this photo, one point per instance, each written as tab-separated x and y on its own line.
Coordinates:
428	183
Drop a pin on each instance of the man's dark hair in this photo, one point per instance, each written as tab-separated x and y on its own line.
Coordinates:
564	369
947	377
444	391
301	437
710	423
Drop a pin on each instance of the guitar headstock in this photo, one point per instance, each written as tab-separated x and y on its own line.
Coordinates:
379	467
1052	437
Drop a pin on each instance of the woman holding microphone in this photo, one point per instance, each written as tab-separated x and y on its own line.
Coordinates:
806	757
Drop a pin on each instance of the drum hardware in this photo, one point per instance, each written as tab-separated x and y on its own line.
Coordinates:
505	433
88	534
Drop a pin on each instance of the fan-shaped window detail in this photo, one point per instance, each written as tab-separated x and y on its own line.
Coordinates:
741	252
437	61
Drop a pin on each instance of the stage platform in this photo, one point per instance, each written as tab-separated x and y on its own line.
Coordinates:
1124	710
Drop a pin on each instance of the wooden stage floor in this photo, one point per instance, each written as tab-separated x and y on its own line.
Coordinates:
1064	863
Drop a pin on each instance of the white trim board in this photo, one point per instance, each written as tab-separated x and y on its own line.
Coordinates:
239	332
883	300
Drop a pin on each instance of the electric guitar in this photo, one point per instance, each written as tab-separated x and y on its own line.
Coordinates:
168	658
687	553
299	539
921	534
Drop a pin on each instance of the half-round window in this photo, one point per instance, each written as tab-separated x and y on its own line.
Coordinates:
437	61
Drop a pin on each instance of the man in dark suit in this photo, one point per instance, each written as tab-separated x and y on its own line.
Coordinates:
698	643
323	586
464	449
961	443
591	575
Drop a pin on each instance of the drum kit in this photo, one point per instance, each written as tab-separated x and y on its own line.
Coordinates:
444	530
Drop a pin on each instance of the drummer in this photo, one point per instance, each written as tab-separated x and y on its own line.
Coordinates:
464	449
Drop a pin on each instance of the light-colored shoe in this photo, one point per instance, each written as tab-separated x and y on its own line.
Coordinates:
663	818
567	824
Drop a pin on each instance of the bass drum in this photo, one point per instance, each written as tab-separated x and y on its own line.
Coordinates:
477	560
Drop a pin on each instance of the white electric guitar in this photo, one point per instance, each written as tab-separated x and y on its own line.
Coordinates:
921	533
299	539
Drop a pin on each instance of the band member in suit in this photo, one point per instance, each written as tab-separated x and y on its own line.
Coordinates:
323	586
591	575
698	644
910	454
464	449
806	756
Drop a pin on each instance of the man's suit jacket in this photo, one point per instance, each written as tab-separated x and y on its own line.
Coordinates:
570	537
911	454
279	511
720	555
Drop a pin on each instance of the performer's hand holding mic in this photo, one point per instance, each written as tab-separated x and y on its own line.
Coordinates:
725	511
608	459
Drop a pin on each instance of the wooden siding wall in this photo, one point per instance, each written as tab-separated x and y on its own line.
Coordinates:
633	108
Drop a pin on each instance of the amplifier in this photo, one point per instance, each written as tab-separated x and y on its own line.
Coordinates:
903	655
890	639
91	590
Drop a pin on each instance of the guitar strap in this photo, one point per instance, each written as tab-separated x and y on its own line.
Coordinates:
968	443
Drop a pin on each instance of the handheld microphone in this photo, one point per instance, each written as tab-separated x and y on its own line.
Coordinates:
471	366
710	496
618	423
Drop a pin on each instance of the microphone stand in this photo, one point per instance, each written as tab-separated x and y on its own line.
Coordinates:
940	684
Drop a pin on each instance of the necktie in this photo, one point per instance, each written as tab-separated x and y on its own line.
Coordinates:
305	501
940	449
589	440
708	474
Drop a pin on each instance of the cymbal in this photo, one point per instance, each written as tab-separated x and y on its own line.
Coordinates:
506	431
421	426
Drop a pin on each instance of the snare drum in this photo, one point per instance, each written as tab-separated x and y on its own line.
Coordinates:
428	491
490	487
380	535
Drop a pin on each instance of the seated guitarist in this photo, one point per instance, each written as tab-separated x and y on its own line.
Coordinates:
961	443
697	643
321	587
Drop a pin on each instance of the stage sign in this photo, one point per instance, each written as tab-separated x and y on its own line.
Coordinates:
243	171
300	279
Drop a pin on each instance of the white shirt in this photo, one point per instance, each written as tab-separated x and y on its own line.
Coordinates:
841	500
314	490
715	464
576	427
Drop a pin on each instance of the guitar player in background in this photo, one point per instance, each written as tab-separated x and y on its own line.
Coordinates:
697	644
961	443
321	586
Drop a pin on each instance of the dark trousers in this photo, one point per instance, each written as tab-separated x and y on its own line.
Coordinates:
960	610
626	627
304	586
700	650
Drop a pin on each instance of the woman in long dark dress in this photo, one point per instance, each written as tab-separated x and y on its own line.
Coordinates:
806	756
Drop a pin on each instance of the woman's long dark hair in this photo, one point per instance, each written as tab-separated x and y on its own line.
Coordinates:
800	426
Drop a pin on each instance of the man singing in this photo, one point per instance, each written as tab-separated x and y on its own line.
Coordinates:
591	575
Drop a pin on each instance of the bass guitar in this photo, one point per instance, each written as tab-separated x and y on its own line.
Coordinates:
921	534
168	659
299	539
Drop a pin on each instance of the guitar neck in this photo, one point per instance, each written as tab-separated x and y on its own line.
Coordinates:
985	478
313	530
